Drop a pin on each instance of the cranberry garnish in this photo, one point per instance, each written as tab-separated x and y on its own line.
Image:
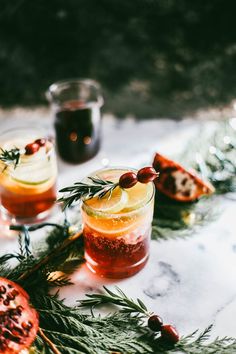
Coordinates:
32	148
170	334
154	323
128	180
147	174
41	142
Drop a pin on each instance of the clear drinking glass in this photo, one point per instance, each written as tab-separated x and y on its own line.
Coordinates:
117	243
27	188
76	104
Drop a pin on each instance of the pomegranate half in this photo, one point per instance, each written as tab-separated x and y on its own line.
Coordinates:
177	183
18	320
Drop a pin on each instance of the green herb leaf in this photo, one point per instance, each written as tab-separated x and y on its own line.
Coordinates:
80	190
10	157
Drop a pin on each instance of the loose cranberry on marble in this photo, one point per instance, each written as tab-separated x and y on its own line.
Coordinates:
154	323
170	334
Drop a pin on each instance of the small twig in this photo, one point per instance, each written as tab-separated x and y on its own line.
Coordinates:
48	341
51	255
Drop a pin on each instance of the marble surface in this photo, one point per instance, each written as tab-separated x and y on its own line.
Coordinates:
189	282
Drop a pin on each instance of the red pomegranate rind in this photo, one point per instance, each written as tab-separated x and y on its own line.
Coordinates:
18	320
177	183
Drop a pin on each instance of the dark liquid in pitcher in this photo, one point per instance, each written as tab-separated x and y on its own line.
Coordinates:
78	131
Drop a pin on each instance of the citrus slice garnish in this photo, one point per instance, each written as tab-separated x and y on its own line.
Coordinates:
138	195
110	203
34	174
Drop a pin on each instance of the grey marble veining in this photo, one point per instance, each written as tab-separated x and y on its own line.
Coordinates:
190	282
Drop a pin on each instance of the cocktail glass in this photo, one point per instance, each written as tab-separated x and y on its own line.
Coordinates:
117	228
28	188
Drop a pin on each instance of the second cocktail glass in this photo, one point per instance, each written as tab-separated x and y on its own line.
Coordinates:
28	173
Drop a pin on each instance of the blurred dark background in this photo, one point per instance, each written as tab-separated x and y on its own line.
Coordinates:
152	58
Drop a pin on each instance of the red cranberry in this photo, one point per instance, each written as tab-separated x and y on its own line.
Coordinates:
128	180
41	142
170	334
32	148
146	174
154	323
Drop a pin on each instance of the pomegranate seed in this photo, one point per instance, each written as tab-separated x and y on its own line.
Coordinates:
41	142
15	292
10	296
146	175
128	180
19	309
2	289
154	323
30	149
170	334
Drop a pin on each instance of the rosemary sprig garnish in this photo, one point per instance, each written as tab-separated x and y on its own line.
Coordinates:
10	157
81	190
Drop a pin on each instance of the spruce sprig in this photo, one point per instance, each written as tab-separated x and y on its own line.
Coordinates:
69	330
10	157
81	190
119	298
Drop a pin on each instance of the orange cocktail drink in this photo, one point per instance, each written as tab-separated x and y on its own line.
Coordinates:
117	228
28	187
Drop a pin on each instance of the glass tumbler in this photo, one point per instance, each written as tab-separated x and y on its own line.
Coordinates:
27	183
117	237
76	104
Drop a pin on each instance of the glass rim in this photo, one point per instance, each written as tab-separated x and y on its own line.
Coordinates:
26	128
89	82
115	215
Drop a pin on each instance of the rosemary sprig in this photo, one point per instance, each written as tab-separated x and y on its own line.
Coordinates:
80	190
10	156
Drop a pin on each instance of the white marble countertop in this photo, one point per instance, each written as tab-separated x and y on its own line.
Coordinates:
188	282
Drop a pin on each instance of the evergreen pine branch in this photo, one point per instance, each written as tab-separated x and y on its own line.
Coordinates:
118	298
214	157
70	330
173	220
50	256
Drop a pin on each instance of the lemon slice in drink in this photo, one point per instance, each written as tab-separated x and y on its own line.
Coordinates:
34	174
138	195
109	203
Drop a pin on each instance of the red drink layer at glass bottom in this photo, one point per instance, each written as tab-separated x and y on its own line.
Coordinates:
28	205
113	257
